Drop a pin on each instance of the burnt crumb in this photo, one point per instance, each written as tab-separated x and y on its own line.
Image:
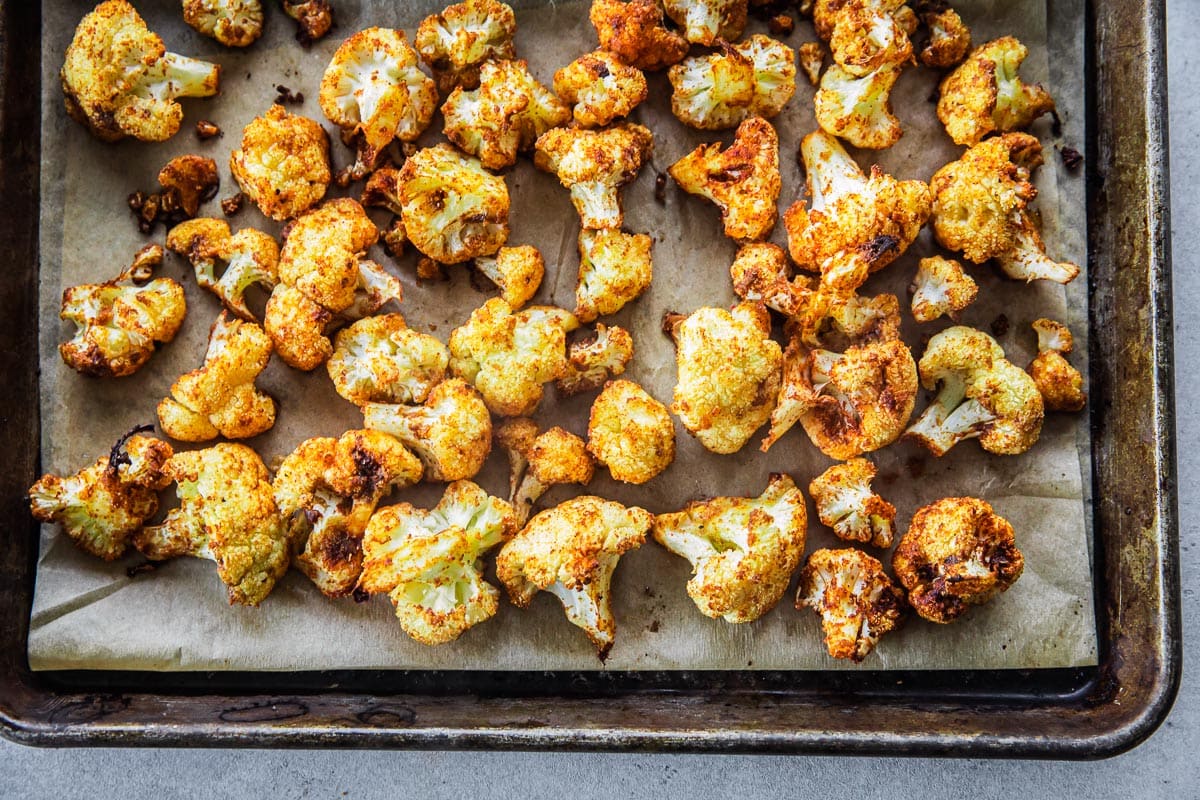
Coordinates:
285	96
660	187
360	595
1072	158
141	569
1000	325
206	130
232	206
781	25
145	208
653	626
915	467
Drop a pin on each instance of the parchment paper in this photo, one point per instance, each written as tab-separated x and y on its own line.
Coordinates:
91	615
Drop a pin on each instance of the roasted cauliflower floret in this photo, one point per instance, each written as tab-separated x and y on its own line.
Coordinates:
615	268
743	550
571	551
381	360
508	355
859	108
760	273
283	163
591	362
705	21
753	78
957	552
941	287
634	32
451	432
102	506
314	18
845	502
456	42
983	396
981	207
857	601
594	165
631	433
743	181
225	263
812	58
118	323
119	80
541	460
1060	384
430	562
516	271
949	37
729	374
985	94
233	23
600	88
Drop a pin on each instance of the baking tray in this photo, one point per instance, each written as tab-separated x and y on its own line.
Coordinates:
1064	713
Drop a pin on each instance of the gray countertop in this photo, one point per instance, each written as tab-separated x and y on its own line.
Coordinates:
1165	765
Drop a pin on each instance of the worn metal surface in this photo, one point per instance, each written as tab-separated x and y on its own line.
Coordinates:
1059	713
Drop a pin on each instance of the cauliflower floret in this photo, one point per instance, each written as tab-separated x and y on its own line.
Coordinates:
957	552
600	88
760	273
119	80
220	398
743	550
756	77
508	355
283	163
516	271
634	32
456	42
868	35
812	58
453	209
315	18
983	395
631	433
705	21
986	95
381	360
845	502
981	207
430	562
118	323
571	551
594	165
102	506
941	287
615	268
949	36
859	109
451	432
327	489
591	362
233	23
539	461
1060	384
729	373
297	326
227	264
743	181
227	513
857	601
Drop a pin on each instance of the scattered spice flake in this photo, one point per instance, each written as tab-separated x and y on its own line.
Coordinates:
206	130
1071	157
232	206
1000	325
286	96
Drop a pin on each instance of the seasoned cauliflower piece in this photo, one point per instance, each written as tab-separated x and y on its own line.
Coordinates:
118	323
949	36
729	373
812	58
983	396
430	562
591	362
297	325
743	181
705	21
1060	384
458	41
516	271
857	601
615	268
957	552
756	77
451	432
859	108
227	264
119	80
571	551
233	23
868	35
314	18
594	165
102	506
539	461
941	287
985	94
743	550
634	32
453	209
283	163
760	273
381	360
600	88
631	433
845	502
508	355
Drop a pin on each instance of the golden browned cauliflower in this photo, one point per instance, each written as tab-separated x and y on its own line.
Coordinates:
615	268
1060	384
314	18
705	21
118	323
326	491
283	163
634	32
631	433
381	360
464	36
594	165
508	355
981	207
571	551
592	361
729	373
102	506
233	23
857	601
743	550
949	37
845	502
516	271
756	77
985	94
227	513
119	80
941	287
600	88
540	460
227	264
760	273
812	58
983	396
220	398
451	432
430	563
957	552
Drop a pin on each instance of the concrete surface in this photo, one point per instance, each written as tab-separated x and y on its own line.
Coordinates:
1166	765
